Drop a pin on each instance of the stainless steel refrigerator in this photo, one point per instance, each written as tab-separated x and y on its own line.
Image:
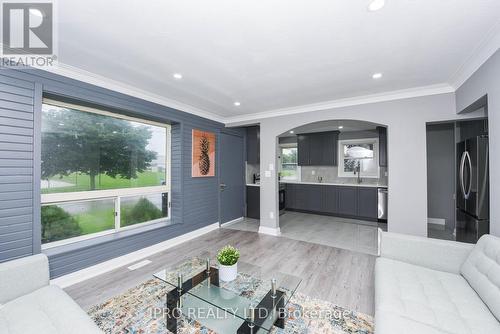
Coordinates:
473	198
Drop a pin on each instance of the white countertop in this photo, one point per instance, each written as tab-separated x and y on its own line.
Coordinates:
369	185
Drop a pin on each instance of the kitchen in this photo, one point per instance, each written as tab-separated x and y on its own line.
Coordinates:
332	183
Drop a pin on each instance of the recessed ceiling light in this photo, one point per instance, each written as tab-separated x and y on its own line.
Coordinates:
237	104
177	76
341	127
291	131
376	5
377	76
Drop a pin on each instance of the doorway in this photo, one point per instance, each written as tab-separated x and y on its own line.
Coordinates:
231	179
446	146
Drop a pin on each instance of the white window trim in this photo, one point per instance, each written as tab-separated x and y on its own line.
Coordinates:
115	194
342	173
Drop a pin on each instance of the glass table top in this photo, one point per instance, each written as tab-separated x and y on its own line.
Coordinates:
234	299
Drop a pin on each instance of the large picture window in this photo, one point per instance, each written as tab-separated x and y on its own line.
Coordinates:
100	172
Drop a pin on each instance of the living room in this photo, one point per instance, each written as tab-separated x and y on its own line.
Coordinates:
126	159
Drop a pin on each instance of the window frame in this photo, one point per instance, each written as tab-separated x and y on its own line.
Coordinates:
342	142
298	169
115	194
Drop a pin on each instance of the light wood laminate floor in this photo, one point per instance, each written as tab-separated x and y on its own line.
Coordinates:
351	234
337	275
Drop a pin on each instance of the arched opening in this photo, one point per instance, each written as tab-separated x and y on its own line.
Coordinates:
328	184
333	178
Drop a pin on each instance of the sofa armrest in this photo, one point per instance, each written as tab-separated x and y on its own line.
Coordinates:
22	276
435	254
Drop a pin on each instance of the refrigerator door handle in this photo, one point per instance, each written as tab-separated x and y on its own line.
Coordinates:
469	188
461	176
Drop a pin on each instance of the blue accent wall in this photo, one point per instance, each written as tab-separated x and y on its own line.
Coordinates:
195	201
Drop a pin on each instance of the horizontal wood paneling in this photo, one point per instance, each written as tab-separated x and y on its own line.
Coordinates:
16	172
195	201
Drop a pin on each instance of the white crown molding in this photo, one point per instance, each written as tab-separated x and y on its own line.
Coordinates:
489	44
346	102
104	82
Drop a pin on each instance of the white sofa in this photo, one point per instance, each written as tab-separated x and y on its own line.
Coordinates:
428	286
28	304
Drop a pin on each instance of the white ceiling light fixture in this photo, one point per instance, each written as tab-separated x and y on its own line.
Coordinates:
377	76
237	104
376	5
341	126
177	76
291	131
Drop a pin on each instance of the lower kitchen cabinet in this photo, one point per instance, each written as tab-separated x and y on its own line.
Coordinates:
253	202
348	201
344	201
368	202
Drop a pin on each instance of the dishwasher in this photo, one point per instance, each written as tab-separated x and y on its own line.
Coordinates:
382	204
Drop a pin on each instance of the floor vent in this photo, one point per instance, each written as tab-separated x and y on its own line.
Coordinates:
139	265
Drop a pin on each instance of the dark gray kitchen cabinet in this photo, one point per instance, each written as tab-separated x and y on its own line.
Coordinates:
253	202
330	199
253	145
317	149
344	201
367	202
382	143
303	150
347	201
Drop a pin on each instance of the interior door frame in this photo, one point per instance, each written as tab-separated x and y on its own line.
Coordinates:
242	135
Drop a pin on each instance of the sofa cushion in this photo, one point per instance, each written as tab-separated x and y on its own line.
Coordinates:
22	276
482	271
423	298
47	310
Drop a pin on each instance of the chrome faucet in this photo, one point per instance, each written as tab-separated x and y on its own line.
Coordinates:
320	179
357	171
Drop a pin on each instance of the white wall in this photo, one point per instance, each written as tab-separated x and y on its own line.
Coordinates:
406	120
486	80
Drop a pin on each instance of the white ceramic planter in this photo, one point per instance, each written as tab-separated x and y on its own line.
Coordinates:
228	273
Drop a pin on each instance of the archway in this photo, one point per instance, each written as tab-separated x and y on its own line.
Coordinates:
333	176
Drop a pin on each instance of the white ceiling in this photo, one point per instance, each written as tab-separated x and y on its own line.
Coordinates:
271	54
332	125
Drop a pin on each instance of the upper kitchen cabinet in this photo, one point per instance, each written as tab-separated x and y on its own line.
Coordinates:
317	149
382	142
253	145
303	150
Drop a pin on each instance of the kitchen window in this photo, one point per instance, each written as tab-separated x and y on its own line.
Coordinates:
358	156
100	173
289	169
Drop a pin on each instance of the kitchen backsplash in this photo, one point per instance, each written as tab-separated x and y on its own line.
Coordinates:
250	171
330	175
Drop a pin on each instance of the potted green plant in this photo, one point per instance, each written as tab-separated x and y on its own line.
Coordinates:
228	263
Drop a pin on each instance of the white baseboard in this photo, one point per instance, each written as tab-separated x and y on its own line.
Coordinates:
437	221
103	267
275	231
231	222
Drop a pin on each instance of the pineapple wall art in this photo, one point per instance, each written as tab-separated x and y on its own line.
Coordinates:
203	162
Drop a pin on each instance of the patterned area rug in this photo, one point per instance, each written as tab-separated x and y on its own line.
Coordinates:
136	311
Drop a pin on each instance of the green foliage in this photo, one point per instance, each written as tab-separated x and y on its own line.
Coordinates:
142	211
81	182
57	224
289	156
75	141
228	255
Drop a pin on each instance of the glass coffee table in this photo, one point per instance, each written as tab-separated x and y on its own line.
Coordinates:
253	303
